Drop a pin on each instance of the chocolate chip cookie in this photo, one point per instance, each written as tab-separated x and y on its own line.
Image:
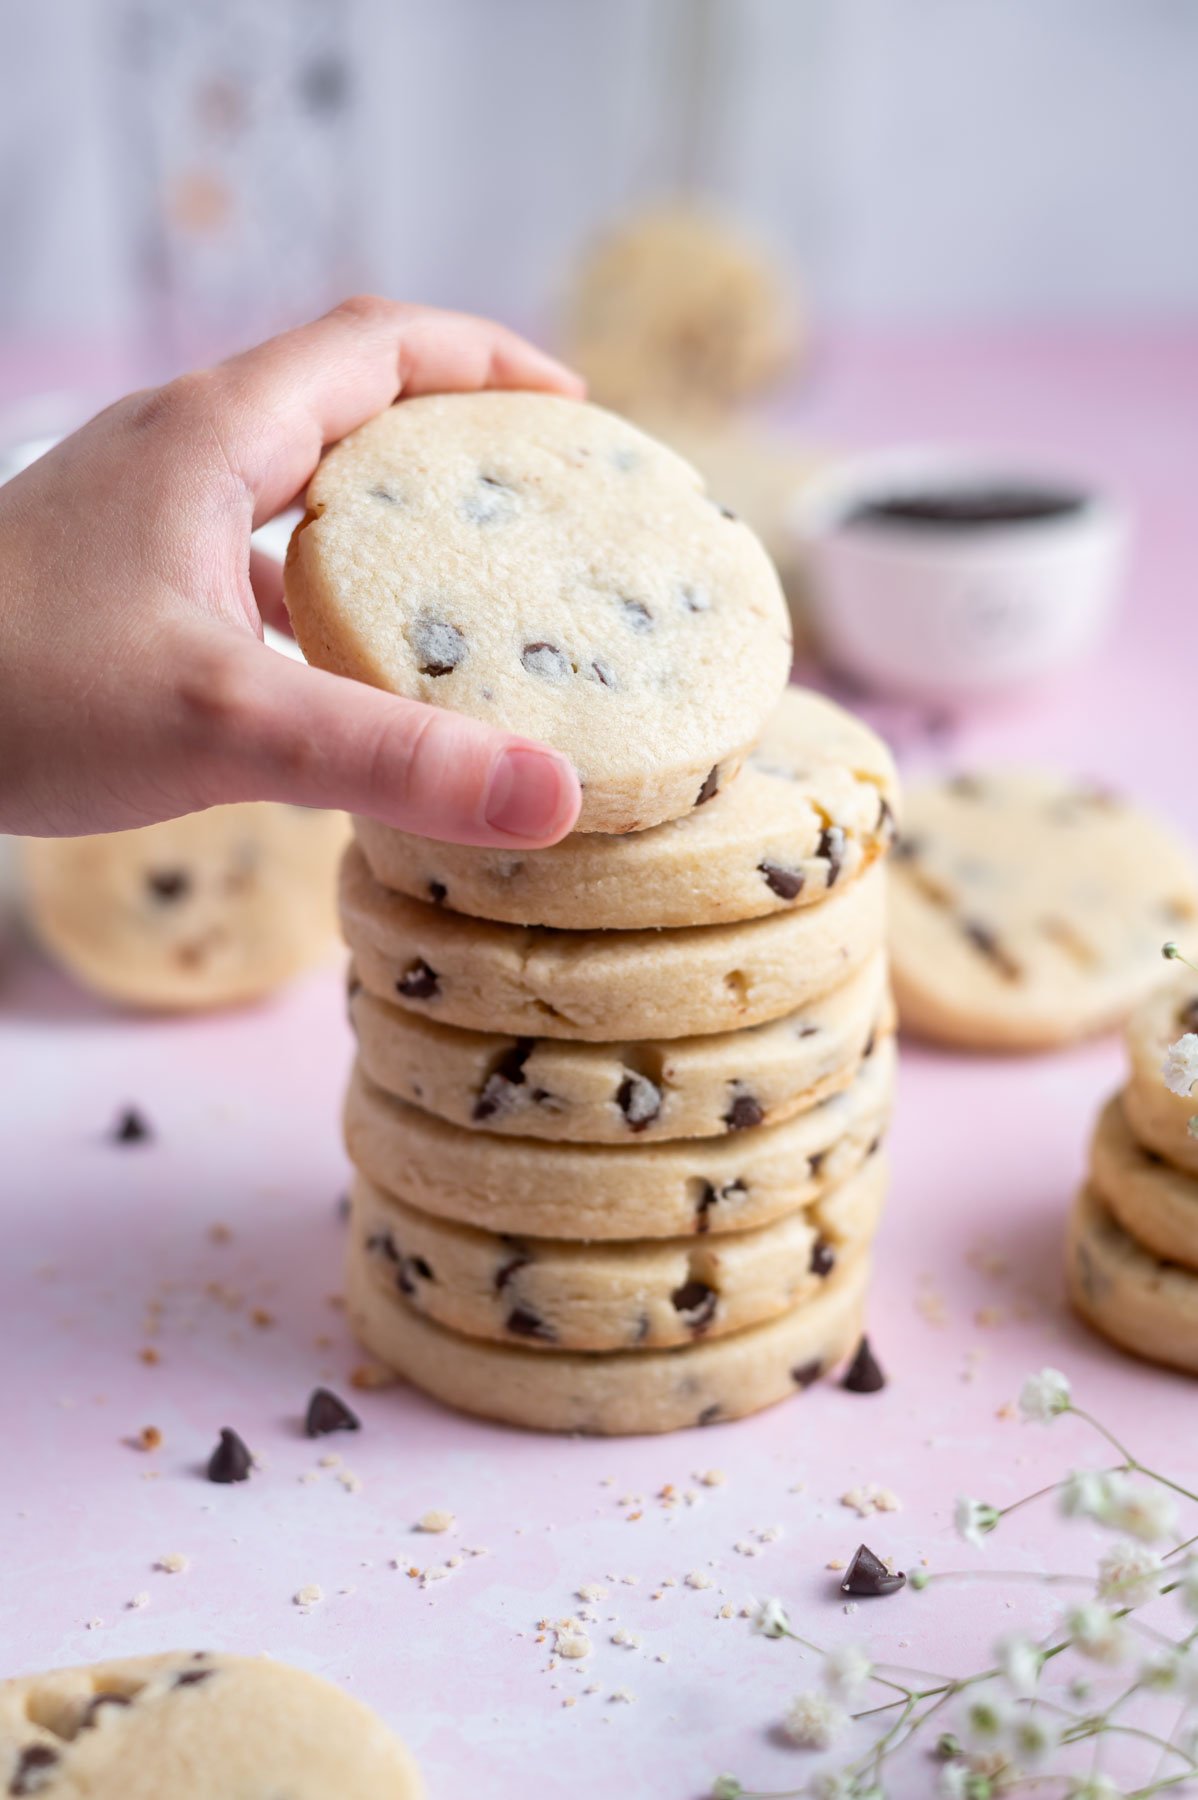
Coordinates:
543	566
1140	1302
812	808
1154	1202
1159	1118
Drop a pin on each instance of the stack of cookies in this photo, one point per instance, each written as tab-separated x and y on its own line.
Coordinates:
619	1104
1133	1236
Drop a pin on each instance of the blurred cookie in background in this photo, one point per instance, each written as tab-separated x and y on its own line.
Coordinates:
673	309
206	911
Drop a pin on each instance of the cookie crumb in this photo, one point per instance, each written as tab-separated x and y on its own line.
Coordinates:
219	1234
711	1478
436	1520
591	1591
311	1595
622	1695
628	1639
698	1578
368	1377
148	1438
148	1355
869	1498
573	1644
173	1563
138	1603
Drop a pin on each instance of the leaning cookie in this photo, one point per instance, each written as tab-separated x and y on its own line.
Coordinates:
1139	1302
812	808
621	1093
209	910
598	986
1153	1201
605	1191
1160	1118
647	1295
1028	910
543	566
628	1392
195	1727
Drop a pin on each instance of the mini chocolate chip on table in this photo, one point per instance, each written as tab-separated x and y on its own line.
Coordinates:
867	1575
612	1093
864	1374
601	986
813	806
1028	909
599	538
547	1388
327	1412
131	1128
231	1460
617	1191
605	1296
197	1726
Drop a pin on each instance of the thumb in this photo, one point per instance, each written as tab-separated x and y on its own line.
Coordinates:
283	731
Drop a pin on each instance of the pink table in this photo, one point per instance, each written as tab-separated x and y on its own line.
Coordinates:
244	1110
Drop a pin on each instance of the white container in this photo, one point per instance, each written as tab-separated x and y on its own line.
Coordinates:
954	612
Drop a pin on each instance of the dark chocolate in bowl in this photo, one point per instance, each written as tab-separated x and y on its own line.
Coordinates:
965	508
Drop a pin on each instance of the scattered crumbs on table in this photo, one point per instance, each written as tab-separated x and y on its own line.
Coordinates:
148	1438
262	1319
929	1302
436	1520
173	1563
309	1596
591	1591
623	1696
572	1644
349	1481
627	1639
711	1478
662	1656
330	1460
988	1318
837	1562
220	1233
309	1476
727	1611
988	1261
1007	1410
869	1498
149	1356
698	1578
746	1547
368	1377
668	1581
138	1603
93	1625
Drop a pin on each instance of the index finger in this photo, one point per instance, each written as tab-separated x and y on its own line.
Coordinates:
279	404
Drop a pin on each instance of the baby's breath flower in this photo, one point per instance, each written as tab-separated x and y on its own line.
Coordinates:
1180	1067
1097	1634
1189	1586
726	1787
1171	1671
1044	1396
1020	1663
1033	1740
974	1519
959	1782
1085	1494
846	1671
769	1618
835	1784
1095	1787
1143	1512
1129	1574
814	1721
986	1722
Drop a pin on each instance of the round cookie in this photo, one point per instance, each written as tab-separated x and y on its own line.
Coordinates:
1028	910
626	1392
1159	1118
543	566
195	1727
209	910
600	986
618	1093
600	1191
674	308
1140	1303
648	1295
1156	1203
813	806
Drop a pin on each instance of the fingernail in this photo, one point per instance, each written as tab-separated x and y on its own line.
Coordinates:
528	791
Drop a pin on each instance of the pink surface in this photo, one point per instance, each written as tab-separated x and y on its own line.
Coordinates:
244	1108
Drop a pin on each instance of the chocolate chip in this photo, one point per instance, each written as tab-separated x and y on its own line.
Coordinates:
385	495
439	646
725	512
986	941
711	786
230	1461
710	1414
437	891
381	1243
815	1161
639	1099
864	1375
711	1196
605	676
96	1705
806	1373
505	1271
786	883
169	884
694	599
907	849
523	1322
422	1268
744	1113
965	787
32	1773
637	614
1187	1018
498	1091
493	501
343	1208
887	825
326	1413
807	1031
868	1574
545	660
132	1128
823	1258
418	981
831	850
192	1678
697	1302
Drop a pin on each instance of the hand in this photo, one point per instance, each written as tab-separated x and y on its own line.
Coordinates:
134	684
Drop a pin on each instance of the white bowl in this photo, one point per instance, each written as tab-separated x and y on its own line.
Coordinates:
954	612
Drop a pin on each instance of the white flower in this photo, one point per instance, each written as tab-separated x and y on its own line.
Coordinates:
1189	1586
1129	1574
769	1618
1085	1495
1147	1513
1095	1787
1172	1671
1180	1067
814	1721
726	1787
1033	1740
974	1519
1097	1634
1044	1396
953	1778
846	1672
833	1785
986	1722
1019	1661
